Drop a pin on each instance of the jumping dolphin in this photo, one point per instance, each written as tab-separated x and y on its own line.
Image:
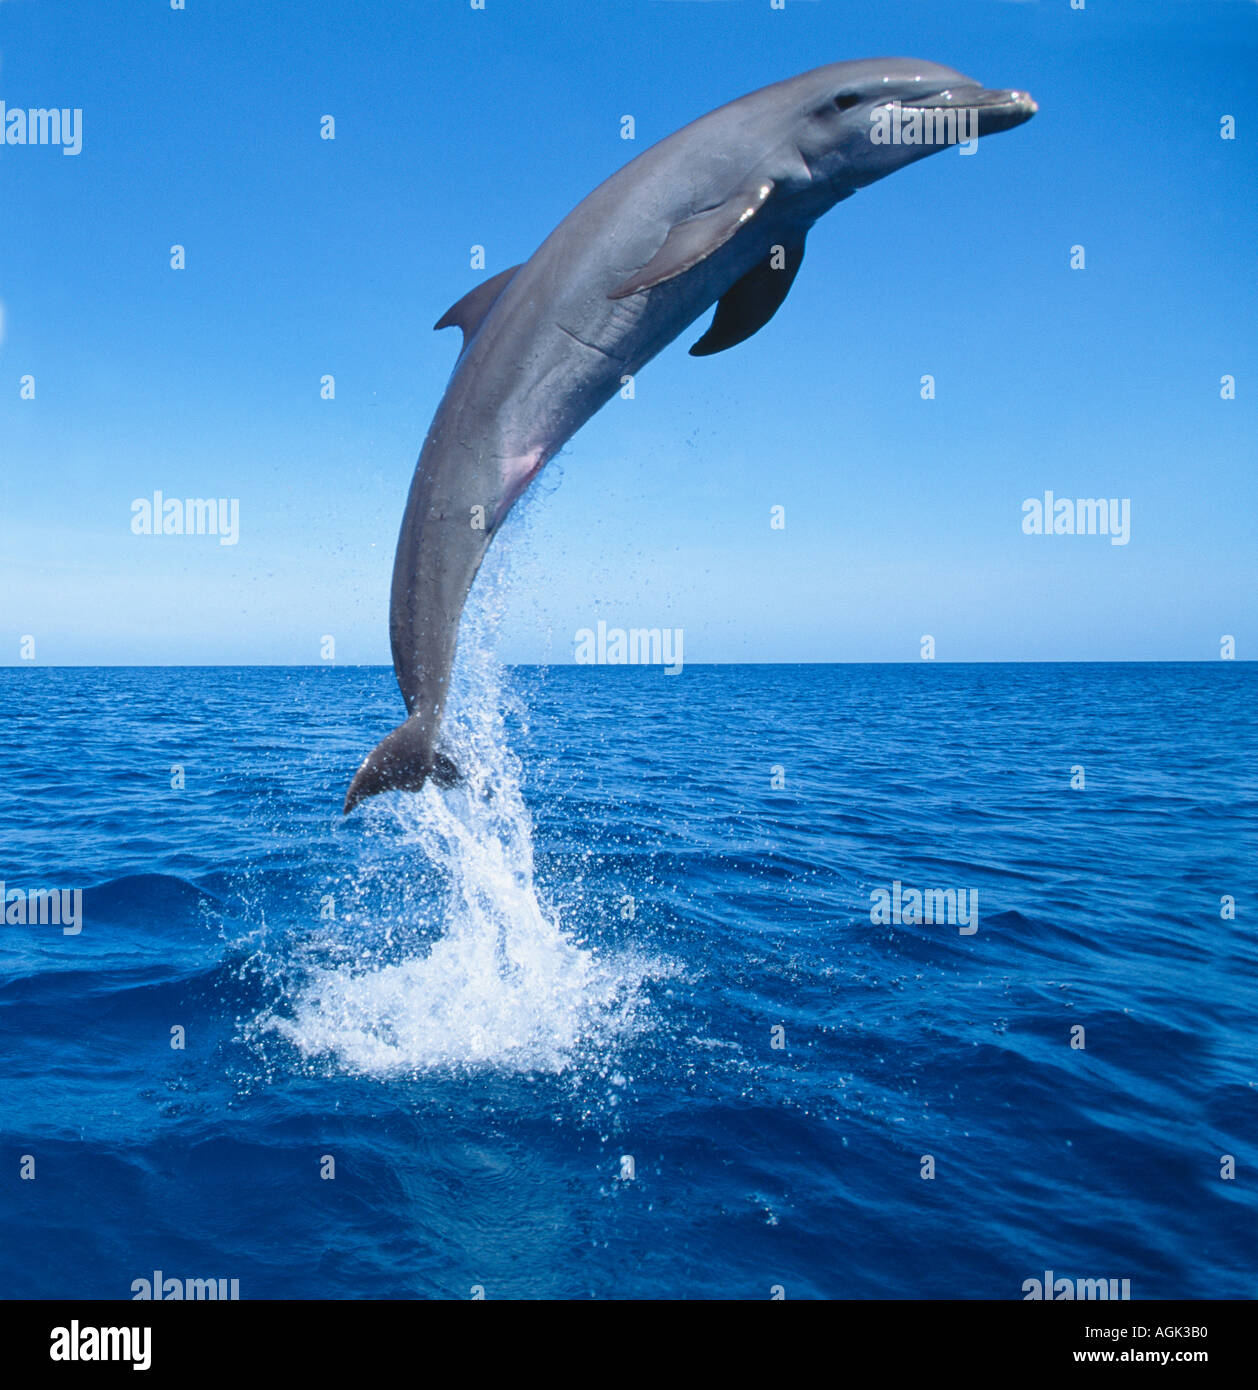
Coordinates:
716	213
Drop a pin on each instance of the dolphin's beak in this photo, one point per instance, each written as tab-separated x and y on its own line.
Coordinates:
995	110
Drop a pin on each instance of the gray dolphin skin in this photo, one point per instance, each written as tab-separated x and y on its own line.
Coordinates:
715	214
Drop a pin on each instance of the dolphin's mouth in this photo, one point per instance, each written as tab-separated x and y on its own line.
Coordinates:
994	110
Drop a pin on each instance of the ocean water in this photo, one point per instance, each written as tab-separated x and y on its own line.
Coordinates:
611	1019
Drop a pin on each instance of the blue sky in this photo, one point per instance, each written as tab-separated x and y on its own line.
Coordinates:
456	127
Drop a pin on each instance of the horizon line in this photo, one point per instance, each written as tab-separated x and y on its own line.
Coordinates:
605	666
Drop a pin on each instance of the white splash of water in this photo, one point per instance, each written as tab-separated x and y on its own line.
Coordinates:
502	984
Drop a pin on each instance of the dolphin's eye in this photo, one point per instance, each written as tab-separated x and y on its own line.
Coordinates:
846	101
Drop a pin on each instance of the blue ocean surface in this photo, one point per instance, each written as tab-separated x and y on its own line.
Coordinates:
612	1019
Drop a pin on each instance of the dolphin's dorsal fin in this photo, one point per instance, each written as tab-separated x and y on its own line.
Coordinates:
748	305
469	313
696	238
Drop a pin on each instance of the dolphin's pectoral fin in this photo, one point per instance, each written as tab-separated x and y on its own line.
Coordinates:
469	313
746	307
696	238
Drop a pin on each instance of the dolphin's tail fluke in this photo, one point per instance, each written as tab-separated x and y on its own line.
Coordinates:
403	761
